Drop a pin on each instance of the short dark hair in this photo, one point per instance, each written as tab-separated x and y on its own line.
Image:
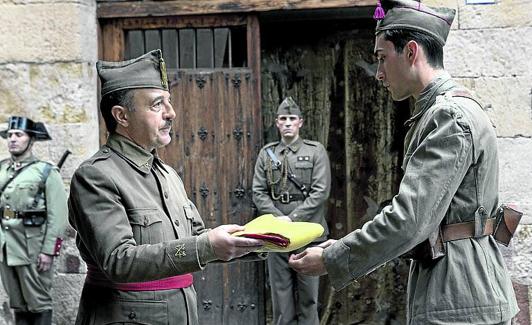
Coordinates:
122	98
432	48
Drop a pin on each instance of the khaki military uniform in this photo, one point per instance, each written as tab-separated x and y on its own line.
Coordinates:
274	193
450	171
135	223
28	289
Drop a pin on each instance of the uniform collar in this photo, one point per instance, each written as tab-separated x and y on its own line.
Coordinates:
294	147
139	158
439	85
19	164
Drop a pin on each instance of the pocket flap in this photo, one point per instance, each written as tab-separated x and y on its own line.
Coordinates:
144	217
303	164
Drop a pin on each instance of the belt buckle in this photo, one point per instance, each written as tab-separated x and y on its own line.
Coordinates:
9	214
285	197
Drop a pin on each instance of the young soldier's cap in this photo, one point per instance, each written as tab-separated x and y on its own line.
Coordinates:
146	71
35	129
413	15
288	107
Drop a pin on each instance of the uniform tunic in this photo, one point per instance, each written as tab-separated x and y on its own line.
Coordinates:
135	224
450	170
309	161
20	246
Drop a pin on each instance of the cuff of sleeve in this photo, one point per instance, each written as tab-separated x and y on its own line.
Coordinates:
204	250
50	246
336	260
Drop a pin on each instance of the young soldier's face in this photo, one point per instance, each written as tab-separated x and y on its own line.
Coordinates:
149	125
288	126
392	69
17	142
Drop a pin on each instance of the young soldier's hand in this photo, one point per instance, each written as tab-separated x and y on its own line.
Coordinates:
227	247
44	262
309	262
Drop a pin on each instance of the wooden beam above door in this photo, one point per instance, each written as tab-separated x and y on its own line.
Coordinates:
121	9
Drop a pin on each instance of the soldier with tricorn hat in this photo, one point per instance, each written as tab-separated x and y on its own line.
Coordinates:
33	213
138	232
446	216
292	181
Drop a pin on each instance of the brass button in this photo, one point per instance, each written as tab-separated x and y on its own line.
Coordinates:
105	150
132	315
176	222
165	194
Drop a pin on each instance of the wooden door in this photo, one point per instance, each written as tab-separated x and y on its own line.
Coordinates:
214	83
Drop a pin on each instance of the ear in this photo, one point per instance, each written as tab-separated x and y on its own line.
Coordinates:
120	113
300	122
412	50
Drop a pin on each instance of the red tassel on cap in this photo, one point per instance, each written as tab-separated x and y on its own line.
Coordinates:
379	12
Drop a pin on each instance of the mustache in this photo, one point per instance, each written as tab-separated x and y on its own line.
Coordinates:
167	124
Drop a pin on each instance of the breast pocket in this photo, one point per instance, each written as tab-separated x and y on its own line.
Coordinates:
191	215
146	225
303	170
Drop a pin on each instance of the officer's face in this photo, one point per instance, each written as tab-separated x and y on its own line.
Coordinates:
392	69
288	126
150	123
17	142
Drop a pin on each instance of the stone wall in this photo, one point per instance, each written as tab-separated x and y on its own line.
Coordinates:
47	53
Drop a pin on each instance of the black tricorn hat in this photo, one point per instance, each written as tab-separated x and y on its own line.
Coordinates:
36	129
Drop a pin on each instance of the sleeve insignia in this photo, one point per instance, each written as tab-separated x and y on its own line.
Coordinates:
180	251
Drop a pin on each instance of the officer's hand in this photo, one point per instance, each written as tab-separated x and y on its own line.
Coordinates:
227	247
285	218
309	262
44	262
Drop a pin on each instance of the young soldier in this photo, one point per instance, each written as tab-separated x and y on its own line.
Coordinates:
292	181
138	232
448	197
34	214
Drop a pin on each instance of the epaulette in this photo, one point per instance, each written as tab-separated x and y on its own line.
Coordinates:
311	143
271	144
102	154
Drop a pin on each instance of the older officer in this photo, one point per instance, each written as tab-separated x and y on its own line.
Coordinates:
292	181
138	232
449	193
34	213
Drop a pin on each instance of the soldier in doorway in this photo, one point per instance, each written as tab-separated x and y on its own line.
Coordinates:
292	181
138	232
33	212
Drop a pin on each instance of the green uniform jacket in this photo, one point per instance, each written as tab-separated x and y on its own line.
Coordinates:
309	161
135	223
23	244
448	138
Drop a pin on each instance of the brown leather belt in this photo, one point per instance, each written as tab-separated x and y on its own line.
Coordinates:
463	230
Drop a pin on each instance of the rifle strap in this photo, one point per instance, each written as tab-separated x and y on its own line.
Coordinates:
42	185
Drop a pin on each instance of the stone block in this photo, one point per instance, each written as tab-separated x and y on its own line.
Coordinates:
507	13
519	262
66	293
507	101
499	52
48	32
515	185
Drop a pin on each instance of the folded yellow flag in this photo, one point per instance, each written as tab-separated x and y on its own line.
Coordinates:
281	235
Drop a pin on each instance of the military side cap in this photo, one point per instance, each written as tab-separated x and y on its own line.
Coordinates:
146	71
288	107
413	15
280	235
36	129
